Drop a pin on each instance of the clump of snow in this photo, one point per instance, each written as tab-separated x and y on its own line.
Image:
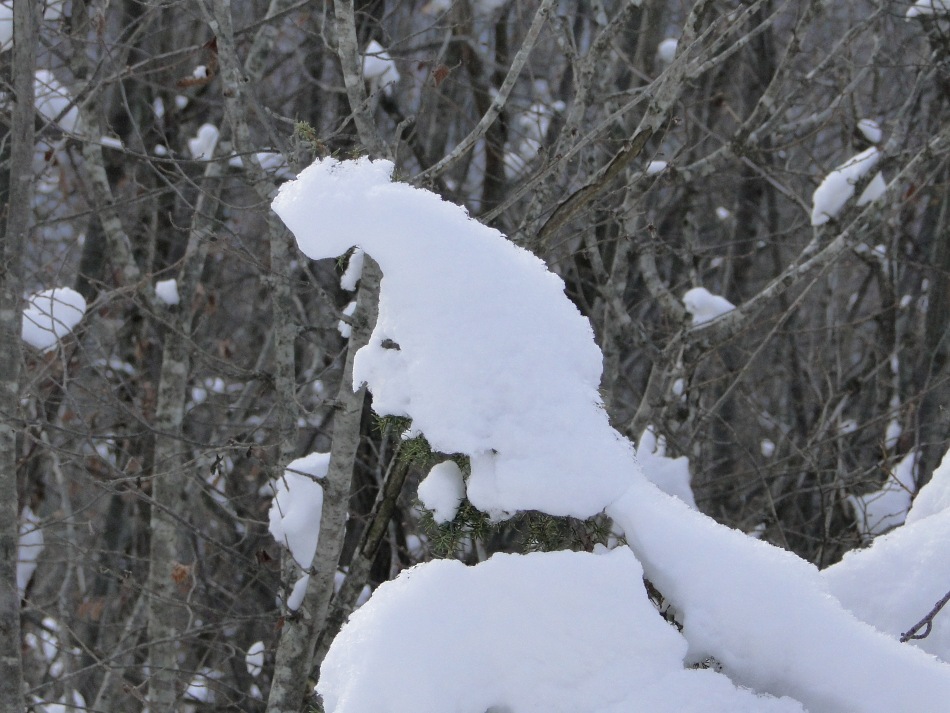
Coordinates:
6	25
655	167
704	306
723	213
379	68
870	130
167	291
295	514
200	72
342	326
50	315
54	102
442	491
666	51
671	475
886	508
354	268
270	162
612	654
838	186
29	548
254	659
927	8
535	429
767	448
201	145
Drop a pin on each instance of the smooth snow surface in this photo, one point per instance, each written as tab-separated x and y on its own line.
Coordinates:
671	475
442	491
50	315
838	186
493	360
704	306
497	637
655	167
167	291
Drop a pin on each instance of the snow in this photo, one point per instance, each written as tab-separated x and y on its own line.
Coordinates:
870	130
613	654
201	146
379	68
896	581
666	51
767	447
886	508
723	213
838	186
767	617
269	161
295	513
167	291
354	268
344	327
54	102
6	25
442	491
924	8
29	548
254	659
671	475
200	72
496	363
536	431
655	167
705	306
50	315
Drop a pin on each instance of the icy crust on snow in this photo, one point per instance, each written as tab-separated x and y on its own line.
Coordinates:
767	616
493	360
613	654
896	581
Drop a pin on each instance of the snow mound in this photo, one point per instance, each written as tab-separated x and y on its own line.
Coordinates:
611	654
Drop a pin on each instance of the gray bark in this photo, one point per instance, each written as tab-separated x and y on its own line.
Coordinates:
18	216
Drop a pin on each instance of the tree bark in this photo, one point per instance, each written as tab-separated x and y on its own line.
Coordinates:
18	213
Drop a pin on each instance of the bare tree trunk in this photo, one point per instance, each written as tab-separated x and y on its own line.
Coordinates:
295	654
169	577
19	211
